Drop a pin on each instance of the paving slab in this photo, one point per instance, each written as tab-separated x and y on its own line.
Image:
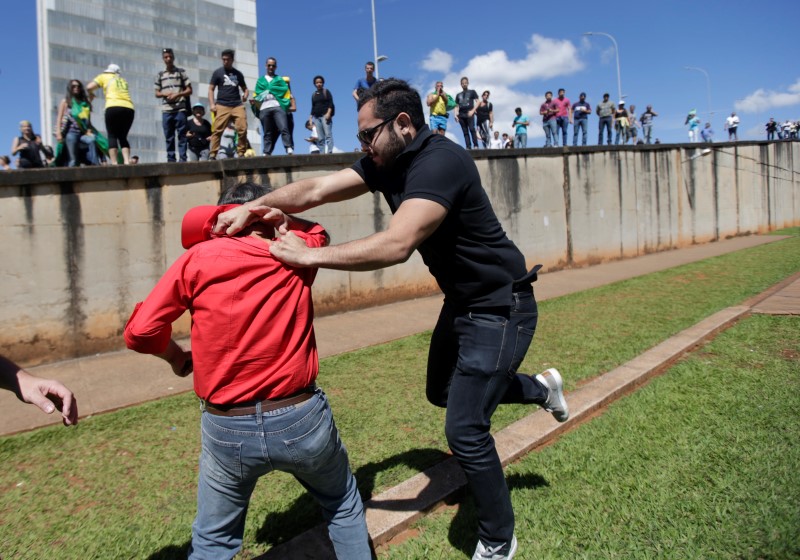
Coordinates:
108	381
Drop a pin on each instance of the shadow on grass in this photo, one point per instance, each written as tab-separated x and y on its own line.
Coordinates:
464	527
171	552
304	512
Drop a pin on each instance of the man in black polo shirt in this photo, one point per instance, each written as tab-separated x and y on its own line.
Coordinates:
489	315
229	105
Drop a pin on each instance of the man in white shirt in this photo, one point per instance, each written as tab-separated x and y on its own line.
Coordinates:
496	143
732	123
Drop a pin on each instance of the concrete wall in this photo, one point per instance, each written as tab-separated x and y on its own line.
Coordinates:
81	246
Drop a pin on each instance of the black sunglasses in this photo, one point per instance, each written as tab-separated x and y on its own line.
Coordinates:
368	135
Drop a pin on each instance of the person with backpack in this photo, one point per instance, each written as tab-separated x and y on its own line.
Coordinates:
322	111
174	88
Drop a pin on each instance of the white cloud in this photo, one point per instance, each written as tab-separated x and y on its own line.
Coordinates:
546	58
438	61
762	99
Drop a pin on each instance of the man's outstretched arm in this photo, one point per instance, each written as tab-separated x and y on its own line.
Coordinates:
414	221
295	197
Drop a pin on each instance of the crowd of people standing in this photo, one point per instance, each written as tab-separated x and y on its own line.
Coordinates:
476	113
189	134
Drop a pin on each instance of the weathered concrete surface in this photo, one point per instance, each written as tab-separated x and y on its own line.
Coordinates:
112	380
82	246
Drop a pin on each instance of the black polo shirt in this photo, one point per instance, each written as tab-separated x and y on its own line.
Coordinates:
469	254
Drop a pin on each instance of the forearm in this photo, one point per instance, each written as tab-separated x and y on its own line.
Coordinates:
370	253
294	197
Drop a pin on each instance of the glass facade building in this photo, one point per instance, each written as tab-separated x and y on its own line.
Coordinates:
78	39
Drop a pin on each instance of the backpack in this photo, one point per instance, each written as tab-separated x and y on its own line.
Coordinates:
187	99
329	96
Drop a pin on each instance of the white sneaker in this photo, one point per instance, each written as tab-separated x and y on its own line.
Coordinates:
555	404
289	151
483	552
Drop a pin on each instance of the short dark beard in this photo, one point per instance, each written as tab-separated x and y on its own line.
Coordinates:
394	147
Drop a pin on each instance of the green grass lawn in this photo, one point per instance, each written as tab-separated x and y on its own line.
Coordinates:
122	485
701	463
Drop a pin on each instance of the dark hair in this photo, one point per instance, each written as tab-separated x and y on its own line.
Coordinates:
518	109
562	89
582	95
487	91
5	160
242	193
271	58
370	63
462	79
229	52
550	92
606	95
80	96
392	97
166	50
318	77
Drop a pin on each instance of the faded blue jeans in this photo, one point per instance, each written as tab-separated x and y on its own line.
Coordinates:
580	124
551	132
299	439
325	134
472	368
73	140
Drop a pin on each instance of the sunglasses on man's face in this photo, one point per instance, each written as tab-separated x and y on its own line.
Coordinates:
368	135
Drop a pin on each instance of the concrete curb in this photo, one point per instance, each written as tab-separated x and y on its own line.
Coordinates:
394	510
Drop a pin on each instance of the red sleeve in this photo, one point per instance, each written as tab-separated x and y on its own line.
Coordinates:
315	236
150	326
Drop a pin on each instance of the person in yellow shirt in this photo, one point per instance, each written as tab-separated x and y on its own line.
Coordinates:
439	102
119	111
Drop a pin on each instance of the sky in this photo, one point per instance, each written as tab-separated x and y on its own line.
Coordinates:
517	50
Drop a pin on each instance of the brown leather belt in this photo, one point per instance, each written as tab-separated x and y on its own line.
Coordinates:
267	405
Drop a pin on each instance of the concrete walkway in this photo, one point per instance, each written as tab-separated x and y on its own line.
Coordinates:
113	380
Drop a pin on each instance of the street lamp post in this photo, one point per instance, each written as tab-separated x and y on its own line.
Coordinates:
375	42
616	50
708	87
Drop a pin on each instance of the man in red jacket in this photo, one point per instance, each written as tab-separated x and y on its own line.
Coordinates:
255	364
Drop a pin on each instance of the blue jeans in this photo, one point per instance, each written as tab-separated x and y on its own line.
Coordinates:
73	141
622	134
521	140
472	368
299	439
605	122
647	131
274	121
325	134
562	124
551	133
580	124
175	123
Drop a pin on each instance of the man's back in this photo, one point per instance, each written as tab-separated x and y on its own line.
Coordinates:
252	334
